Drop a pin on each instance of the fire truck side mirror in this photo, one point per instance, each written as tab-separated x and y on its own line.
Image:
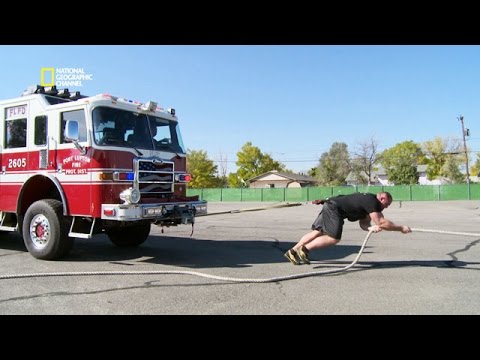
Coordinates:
71	130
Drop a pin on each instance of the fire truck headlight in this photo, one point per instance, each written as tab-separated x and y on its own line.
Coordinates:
130	196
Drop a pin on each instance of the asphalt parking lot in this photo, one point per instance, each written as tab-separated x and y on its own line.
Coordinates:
416	273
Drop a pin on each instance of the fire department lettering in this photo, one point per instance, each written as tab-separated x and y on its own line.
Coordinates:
76	162
17	163
75	171
16	112
79	158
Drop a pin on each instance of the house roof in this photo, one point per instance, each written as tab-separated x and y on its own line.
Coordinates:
287	176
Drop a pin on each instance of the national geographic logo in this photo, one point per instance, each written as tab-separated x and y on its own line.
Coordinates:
63	76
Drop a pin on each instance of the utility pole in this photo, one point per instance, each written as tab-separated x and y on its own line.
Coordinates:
465	133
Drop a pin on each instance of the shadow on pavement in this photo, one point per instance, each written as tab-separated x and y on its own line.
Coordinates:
12	241
421	263
200	253
194	253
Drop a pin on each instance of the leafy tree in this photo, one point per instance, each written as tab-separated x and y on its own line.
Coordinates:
313	172
235	181
451	171
252	162
400	162
475	169
334	165
437	153
202	170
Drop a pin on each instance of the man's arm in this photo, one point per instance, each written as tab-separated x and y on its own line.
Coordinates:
365	223
384	224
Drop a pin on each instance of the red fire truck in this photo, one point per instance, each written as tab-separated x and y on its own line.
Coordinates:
74	166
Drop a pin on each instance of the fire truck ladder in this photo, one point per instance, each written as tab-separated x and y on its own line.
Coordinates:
81	228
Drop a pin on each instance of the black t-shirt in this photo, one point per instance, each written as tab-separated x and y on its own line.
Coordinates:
357	206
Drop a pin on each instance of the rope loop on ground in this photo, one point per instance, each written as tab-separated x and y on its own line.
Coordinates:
194	273
223	278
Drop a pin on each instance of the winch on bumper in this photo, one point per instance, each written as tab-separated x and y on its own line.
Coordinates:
160	214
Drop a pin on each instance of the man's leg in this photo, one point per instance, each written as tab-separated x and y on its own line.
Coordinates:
321	242
293	256
312	240
308	237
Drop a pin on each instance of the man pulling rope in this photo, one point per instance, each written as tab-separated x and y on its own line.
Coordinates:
327	227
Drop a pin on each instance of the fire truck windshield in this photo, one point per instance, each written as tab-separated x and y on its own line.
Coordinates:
115	127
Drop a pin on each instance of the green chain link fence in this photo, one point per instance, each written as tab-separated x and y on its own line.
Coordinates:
399	193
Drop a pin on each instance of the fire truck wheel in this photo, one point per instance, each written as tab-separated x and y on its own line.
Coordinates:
45	231
129	236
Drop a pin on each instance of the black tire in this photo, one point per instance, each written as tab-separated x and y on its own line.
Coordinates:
129	236
45	232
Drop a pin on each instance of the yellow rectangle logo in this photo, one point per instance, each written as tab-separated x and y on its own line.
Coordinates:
47	76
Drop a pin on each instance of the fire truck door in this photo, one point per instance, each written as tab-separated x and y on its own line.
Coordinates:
75	162
40	157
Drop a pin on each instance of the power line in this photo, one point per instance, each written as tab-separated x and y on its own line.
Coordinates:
316	160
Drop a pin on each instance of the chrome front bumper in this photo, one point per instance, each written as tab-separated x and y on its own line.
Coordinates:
180	213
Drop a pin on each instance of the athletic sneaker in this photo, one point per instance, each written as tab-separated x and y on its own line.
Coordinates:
303	255
292	256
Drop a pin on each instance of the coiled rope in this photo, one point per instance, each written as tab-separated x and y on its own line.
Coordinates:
224	278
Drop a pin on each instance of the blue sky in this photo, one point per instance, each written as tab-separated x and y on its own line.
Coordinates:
292	102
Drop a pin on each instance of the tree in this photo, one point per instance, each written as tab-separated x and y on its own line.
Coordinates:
438	152
222	170
313	172
366	156
475	169
451	171
252	162
334	165
235	181
202	170
400	163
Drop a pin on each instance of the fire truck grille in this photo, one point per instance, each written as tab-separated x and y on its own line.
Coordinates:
155	177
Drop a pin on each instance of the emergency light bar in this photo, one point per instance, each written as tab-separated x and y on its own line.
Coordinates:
33	89
150	106
53	91
75	95
64	93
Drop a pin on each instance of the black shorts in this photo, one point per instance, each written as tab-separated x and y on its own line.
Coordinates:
329	221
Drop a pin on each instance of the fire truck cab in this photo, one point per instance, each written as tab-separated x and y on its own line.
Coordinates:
75	166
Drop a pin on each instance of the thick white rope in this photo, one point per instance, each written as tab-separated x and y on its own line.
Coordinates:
445	232
194	273
250	209
223	278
